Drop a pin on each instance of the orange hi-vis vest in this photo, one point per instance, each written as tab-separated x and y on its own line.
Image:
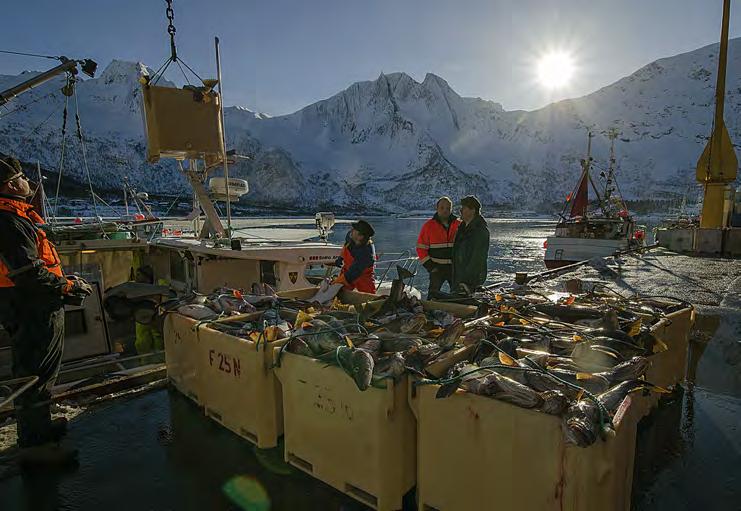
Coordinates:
435	242
365	283
45	249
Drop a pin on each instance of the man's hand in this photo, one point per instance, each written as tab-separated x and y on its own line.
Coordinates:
79	286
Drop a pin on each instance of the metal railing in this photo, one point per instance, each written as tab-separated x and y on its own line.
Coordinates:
405	259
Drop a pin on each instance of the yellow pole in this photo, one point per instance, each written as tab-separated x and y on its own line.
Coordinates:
718	165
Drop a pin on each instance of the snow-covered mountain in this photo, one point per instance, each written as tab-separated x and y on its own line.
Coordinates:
396	144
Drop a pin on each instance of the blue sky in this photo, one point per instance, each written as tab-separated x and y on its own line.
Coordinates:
281	55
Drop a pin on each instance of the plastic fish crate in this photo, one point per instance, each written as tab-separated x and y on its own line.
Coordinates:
476	452
234	377
361	443
182	355
668	368
240	390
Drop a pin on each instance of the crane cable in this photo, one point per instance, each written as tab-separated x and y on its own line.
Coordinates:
60	167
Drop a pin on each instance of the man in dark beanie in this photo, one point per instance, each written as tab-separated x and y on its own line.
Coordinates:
471	248
32	287
358	259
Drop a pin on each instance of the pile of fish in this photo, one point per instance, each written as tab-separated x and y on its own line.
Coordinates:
572	356
576	357
377	341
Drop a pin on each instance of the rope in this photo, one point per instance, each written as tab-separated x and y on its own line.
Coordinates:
29	54
60	167
84	156
26	105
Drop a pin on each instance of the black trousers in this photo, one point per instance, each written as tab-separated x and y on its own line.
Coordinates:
37	338
441	273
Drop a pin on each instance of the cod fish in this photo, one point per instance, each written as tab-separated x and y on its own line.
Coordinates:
451	334
504	389
299	347
629	370
413	324
581	422
319	336
195	311
357	363
400	344
391	366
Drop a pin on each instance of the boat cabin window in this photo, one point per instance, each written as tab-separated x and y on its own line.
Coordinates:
558	255
267	272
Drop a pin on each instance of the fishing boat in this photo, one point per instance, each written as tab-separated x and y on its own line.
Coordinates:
586	230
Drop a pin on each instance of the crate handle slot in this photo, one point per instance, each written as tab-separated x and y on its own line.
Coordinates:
248	435
300	463
361	495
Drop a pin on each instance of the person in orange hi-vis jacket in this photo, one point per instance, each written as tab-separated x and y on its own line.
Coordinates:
435	245
358	259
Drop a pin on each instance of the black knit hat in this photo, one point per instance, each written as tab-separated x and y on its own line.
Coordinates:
10	168
363	228
471	201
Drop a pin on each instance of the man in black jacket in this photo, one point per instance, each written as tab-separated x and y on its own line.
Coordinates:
32	289
471	248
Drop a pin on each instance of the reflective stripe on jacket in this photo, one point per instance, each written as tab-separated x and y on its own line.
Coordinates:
46	256
435	241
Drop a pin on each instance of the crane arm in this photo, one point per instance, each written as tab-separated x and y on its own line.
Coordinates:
67	66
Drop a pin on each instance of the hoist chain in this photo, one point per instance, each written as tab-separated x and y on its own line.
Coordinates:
171	30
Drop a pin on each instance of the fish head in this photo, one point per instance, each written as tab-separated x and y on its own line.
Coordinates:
414	324
581	423
361	367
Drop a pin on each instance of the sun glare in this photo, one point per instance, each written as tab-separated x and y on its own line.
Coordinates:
555	69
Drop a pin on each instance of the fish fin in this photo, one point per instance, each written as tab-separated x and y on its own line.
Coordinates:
349	342
580	394
237	294
660	346
447	389
578	338
585	376
570	299
501	323
435	332
506	359
635	327
498	297
524	321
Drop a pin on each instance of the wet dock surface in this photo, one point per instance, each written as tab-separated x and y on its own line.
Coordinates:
157	451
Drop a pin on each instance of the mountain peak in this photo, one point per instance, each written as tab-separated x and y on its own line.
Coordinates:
122	71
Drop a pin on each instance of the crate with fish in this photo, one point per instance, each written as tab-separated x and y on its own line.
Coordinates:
557	379
228	337
344	379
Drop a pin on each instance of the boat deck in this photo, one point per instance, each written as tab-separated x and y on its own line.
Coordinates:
157	451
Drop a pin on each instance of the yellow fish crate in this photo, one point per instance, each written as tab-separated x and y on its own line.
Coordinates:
233	376
361	443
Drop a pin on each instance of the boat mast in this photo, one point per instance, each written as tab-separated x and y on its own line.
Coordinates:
587	167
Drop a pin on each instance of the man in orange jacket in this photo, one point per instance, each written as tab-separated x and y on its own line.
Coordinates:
435	245
358	259
32	291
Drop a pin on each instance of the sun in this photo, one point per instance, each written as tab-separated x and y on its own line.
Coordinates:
555	69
